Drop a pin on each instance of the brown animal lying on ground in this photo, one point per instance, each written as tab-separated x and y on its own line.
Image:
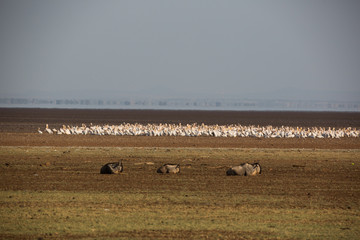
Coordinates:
169	168
112	168
245	169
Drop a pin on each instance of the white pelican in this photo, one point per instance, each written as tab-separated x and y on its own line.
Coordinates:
48	130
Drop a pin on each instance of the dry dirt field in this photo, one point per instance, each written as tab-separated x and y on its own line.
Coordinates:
51	188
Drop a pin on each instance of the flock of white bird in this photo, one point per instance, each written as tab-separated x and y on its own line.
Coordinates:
194	130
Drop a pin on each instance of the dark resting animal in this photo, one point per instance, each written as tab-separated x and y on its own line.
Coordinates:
245	169
112	168
169	168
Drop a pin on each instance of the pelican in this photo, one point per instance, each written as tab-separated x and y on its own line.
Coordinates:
48	130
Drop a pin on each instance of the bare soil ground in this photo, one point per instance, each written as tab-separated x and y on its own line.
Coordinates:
28	120
301	194
35	139
299	174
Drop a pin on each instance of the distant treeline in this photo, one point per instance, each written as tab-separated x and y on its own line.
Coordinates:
179	103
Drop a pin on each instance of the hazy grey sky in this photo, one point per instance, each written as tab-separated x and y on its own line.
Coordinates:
304	49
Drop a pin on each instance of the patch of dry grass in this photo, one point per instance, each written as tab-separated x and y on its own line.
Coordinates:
54	213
